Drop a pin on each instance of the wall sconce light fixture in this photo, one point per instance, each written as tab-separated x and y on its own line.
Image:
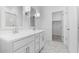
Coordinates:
37	15
27	9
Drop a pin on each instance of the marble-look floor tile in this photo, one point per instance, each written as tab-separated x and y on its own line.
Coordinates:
54	47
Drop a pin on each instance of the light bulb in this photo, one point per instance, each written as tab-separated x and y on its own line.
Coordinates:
27	8
37	15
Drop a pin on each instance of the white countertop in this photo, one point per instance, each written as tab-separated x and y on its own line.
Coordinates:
9	36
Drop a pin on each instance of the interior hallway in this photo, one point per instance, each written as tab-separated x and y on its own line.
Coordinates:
54	47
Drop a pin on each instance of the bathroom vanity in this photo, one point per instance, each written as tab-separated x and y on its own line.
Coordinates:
31	41
13	37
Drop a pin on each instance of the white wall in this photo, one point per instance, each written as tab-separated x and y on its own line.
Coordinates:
0	17
20	16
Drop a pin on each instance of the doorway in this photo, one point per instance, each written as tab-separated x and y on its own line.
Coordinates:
57	26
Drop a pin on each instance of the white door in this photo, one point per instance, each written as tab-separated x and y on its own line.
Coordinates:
73	32
66	28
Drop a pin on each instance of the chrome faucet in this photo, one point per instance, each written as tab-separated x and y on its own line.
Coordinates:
15	29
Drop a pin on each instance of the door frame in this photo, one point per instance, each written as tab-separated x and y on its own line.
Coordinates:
62	19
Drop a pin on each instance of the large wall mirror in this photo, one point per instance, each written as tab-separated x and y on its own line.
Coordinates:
29	17
32	17
10	16
10	19
13	16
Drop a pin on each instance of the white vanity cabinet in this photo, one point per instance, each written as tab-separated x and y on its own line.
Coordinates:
28	48
35	44
24	45
31	42
39	41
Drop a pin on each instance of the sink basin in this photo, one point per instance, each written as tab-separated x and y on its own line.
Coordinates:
9	35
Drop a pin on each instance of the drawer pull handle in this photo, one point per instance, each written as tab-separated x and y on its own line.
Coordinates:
27	50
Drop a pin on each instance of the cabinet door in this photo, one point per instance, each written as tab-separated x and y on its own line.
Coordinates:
42	40
31	47
37	43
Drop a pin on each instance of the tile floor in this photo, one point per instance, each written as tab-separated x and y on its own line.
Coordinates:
54	47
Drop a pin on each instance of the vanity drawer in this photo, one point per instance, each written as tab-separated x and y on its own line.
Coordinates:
22	42
21	50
